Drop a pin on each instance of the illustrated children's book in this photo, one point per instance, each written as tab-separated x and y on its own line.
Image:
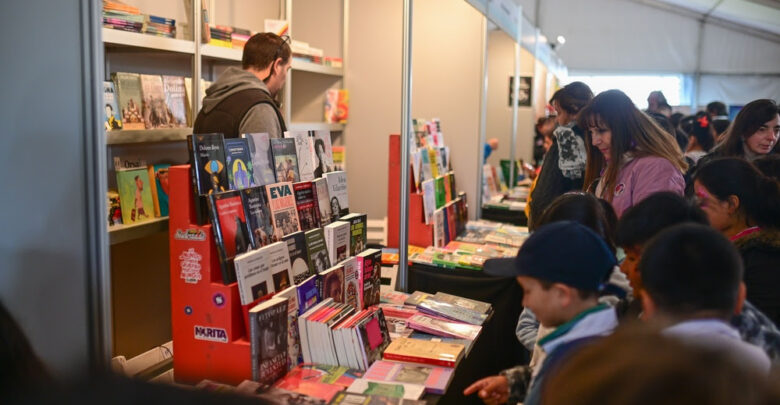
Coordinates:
176	100
135	195
238	164
111	118
158	179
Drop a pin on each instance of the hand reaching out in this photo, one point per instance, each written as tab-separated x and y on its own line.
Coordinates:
492	390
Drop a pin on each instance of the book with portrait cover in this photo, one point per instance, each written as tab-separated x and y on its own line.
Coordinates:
230	230
323	152
318	251
261	230
238	164
294	355
337	191
358	233
128	88
435	379
370	269
176	100
306	204
268	340
337	240
263	169
304	149
299	257
135	195
112	118
352	283
281	201
158	180
154	109
332	283
323	201
308	294
285	160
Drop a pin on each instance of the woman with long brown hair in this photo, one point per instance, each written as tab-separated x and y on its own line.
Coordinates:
754	132
628	153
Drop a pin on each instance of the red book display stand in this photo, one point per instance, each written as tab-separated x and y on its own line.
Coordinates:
420	233
209	336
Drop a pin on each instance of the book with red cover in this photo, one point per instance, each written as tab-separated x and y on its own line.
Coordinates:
374	337
435	379
306	204
230	230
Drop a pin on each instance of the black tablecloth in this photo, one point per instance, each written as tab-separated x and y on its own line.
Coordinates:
497	347
513	217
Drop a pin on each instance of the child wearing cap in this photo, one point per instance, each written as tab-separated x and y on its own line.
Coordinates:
562	290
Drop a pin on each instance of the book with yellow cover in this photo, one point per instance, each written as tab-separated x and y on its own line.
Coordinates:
425	352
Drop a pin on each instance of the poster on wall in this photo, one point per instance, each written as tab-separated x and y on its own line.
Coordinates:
523	93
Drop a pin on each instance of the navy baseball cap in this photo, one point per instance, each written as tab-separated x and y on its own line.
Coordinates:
560	252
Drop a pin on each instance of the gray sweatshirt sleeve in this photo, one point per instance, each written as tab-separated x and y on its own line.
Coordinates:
261	118
527	329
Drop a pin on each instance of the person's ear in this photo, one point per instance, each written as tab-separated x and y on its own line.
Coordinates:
649	308
741	294
733	202
563	293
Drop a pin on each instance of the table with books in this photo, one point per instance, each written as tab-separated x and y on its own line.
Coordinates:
507	207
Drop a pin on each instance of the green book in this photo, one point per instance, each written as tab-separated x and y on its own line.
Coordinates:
441	197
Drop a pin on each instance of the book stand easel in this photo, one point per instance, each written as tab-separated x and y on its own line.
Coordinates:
420	233
209	335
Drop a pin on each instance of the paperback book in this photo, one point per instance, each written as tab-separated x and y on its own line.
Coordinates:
358	237
263	169
350	398
323	152
268	340
323	201
373	336
429	199
230	230
336	106
308	294
352	283
238	164
332	284
111	117
260	226
393	390
253	276
440	233
442	327
158	180
337	190
370	269
296	245
135	195
440	192
294	356
176	100
337	240
424	352
207	160
317	250
283	212
435	379
306	204
278	259
285	160
128	87
314	380
304	150
154	109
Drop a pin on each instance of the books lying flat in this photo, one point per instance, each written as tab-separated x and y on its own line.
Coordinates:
416	298
277	396
425	352
335	375
443	327
268	340
348	398
435	379
467	344
455	312
395	390
393	297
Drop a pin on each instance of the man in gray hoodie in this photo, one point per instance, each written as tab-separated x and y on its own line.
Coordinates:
243	100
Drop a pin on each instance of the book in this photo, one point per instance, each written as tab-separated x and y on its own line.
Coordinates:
337	240
453	190
294	356
358	236
337	190
258	216
332	283
393	297
207	163
429	199
158	181
285	160
281	201
263	169
435	379
176	100
308	294
135	195
447	191
416	298
304	149
114	208
467	344
442	327
278	396
323	201
440	233
319	260
370	269
336	106
230	230
323	152
278	259
374	337
268	340
440	192
238	164
318	380
424	352
296	245
111	117
449	211
352	283
339	157
351	398
306	204
154	110
434	162
465	303
128	87
252	276
395	390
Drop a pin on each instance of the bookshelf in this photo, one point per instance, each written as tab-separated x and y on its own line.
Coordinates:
117	38
317	126
125	233
128	136
304	66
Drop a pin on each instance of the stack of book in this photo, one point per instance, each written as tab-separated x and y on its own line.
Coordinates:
122	17
221	36
160	26
239	37
303	51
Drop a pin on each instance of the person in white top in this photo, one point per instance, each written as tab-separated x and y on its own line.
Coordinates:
692	277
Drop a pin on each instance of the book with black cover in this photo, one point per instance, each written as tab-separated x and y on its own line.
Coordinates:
358	233
262	158
230	231
296	244
261	230
207	167
238	164
268	340
285	160
318	251
306	203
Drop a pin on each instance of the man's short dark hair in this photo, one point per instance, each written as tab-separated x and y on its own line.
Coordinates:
691	268
262	49
717	108
654	214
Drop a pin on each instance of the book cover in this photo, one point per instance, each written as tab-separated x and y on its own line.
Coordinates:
268	340
135	195
439	230
332	283
207	160
336	106
304	149
370	270
432	157
441	327
321	373
128	87
393	390
294	354
252	275
358	236
447	191
373	336
285	160
317	250
339	157
435	379
427	172
114	208
278	396
425	352
306	382
451	311
337	190
453	190
441	198
323	152
393	297
467	344
258	213
416	298
465	303
351	398
296	245
306	204
238	164
281	201
323	201
337	241
429	199
308	294
230	230
176	100
449	211
111	114
462	212
154	109
158	180
352	283
279	262
263	169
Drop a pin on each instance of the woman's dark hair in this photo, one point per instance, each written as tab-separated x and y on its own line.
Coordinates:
654	214
750	118
666	124
319	142
769	165
585	209
573	97
701	129
759	195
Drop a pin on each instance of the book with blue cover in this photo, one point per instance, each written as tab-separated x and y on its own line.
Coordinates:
308	294
238	163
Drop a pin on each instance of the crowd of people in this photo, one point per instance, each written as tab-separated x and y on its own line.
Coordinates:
652	271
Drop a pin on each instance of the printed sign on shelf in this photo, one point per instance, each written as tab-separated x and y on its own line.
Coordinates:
193	234
211	334
189	262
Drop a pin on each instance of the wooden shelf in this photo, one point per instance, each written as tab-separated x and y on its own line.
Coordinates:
315	126
124	233
221	53
126	136
304	66
118	38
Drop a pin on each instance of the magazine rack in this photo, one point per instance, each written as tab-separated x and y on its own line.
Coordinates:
420	233
209	335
